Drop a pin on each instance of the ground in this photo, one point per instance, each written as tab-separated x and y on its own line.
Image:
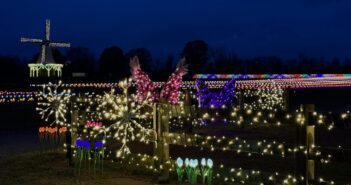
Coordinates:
22	162
51	168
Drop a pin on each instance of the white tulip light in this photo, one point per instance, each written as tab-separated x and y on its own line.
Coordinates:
186	162
203	162
179	162
196	163
209	163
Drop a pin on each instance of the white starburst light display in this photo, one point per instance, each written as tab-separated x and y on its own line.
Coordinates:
55	104
127	117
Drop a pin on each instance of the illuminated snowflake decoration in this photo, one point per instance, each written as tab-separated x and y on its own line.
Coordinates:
265	98
54	105
126	116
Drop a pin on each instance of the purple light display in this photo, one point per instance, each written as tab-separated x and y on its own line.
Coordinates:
215	99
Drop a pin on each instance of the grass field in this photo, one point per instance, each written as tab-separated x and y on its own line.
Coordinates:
51	168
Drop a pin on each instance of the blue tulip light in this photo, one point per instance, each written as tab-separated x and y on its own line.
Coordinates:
180	169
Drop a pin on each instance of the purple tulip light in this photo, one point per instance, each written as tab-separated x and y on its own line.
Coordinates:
98	144
83	143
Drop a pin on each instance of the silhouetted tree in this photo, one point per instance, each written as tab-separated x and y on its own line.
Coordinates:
80	60
223	62
12	71
165	69
335	65
112	64
145	58
196	54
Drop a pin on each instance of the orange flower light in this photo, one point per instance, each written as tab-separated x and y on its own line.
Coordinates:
52	130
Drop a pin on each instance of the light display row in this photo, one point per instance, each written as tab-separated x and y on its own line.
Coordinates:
294	83
328	82
221	172
267	76
18	96
17	93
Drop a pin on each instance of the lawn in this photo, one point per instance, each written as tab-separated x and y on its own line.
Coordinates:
51	168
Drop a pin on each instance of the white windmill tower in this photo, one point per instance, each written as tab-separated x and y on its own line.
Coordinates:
46	61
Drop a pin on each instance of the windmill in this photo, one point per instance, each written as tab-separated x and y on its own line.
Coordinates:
46	61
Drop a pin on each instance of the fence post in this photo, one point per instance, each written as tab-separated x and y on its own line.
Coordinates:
286	102
305	134
241	99
161	148
188	112
310	141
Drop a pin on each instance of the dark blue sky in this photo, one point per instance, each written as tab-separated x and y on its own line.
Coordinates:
284	28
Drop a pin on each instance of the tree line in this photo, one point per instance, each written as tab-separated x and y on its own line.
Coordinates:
113	64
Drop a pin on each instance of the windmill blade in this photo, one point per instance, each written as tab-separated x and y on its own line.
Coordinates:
60	44
31	40
47	29
43	54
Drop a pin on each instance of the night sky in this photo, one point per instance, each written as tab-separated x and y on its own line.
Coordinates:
248	27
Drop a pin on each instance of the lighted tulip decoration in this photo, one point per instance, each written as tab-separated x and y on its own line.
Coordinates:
54	135
99	154
203	170
209	171
180	169
187	168
194	171
82	153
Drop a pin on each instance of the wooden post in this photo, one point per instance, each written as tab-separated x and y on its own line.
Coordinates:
310	141
286	102
241	100
241	106
305	136
154	126
161	147
188	112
